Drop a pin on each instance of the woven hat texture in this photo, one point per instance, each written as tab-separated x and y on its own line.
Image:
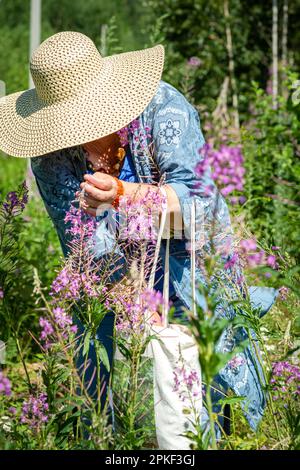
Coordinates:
79	96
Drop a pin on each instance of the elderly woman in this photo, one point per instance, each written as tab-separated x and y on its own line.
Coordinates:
69	125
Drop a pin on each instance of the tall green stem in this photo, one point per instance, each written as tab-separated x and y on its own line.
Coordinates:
211	418
23	361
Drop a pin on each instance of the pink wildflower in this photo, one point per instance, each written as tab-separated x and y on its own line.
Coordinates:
5	385
35	412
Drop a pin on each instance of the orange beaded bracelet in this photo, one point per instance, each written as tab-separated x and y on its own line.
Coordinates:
120	192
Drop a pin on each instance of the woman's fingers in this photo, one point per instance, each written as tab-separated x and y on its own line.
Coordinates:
91	202
95	193
100	180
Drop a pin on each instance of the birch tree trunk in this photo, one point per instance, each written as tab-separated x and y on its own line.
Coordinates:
275	53
284	47
35	30
35	40
103	40
285	21
229	47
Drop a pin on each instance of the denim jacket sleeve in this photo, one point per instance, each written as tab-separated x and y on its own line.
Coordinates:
57	179
58	176
178	140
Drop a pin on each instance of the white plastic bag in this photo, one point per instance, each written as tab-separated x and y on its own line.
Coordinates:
175	345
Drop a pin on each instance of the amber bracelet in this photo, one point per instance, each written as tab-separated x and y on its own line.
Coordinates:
120	192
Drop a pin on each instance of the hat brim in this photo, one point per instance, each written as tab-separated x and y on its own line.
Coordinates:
125	86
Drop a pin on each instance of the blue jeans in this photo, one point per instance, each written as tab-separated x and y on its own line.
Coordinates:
87	366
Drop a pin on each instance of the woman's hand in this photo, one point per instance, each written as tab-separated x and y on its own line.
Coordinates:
100	190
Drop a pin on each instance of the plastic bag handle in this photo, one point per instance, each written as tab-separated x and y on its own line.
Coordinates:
165	310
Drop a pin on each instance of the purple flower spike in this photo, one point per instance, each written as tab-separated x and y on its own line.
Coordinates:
35	412
194	62
5	385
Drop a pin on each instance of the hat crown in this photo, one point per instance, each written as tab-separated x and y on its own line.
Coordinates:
63	65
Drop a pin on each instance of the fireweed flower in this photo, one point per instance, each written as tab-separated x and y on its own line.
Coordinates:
5	385
132	313
47	331
61	318
1	293
79	223
283	292
35	411
16	200
194	62
235	363
285	380
232	261
60	322
70	284
253	256
66	285
227	165
138	216
139	136
134	129
187	383
151	300
128	315
123	134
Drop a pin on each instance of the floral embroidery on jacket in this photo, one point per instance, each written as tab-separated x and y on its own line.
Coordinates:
169	132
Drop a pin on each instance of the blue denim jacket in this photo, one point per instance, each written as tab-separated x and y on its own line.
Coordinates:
176	137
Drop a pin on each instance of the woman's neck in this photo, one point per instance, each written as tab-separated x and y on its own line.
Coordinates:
106	154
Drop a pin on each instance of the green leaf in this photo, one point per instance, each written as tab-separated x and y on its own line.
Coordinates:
230	400
86	343
101	350
124	350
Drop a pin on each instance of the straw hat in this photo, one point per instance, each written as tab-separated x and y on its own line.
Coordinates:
79	96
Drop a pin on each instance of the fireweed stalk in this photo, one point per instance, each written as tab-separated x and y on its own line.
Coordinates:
87	284
10	210
137	304
207	329
223	280
132	342
62	378
137	233
250	322
79	286
228	173
205	324
248	255
187	383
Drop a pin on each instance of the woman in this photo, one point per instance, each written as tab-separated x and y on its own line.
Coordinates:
69	125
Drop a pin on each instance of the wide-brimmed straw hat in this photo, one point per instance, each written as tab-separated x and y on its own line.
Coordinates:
79	96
